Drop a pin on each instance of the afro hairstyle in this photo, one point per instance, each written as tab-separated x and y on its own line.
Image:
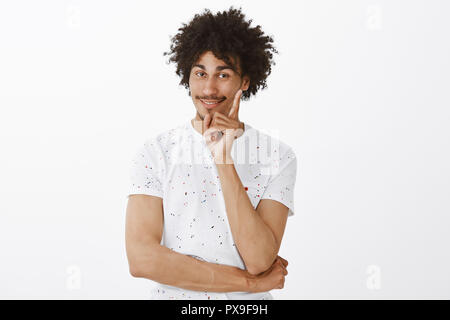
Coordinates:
225	34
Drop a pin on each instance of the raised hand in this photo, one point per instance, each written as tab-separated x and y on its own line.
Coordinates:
220	131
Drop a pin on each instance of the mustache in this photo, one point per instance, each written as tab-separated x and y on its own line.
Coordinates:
211	98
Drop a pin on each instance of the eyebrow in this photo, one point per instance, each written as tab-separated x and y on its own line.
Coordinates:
218	68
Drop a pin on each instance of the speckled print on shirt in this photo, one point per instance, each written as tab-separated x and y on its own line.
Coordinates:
178	167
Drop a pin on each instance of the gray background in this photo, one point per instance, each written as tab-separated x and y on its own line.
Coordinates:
360	90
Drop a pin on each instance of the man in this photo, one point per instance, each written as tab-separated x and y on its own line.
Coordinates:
206	212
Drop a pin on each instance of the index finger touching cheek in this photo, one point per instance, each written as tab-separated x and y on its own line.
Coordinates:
236	103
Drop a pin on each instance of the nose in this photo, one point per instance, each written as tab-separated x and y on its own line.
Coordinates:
210	88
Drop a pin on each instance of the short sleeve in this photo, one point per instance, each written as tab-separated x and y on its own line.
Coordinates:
147	171
282	182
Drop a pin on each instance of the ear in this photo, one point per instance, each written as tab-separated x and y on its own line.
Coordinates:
245	83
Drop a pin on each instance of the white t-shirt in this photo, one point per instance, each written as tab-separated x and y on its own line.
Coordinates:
177	166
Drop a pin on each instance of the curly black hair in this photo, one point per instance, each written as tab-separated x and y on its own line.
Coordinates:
225	34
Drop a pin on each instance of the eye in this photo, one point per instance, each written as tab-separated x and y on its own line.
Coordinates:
221	75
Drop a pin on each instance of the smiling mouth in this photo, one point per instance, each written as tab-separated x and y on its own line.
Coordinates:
211	103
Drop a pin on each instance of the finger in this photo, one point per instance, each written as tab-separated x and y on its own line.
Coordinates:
206	122
235	109
236	103
223	120
214	119
220	115
216	136
281	264
208	132
212	134
220	123
219	126
285	262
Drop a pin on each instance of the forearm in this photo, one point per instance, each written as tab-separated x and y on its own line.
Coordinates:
169	267
254	239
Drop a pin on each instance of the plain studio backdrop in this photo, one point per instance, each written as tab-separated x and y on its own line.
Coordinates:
360	90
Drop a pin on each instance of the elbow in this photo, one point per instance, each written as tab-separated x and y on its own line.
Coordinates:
257	269
253	271
140	269
142	264
260	267
135	271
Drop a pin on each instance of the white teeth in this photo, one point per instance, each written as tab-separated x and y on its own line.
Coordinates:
211	102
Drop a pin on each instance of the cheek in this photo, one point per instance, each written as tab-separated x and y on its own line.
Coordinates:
192	84
196	87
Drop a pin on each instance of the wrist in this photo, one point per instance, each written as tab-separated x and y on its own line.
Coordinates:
224	160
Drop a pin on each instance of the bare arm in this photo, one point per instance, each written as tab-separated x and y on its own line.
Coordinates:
148	259
257	233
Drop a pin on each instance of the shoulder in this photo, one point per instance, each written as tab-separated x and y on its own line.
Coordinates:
165	140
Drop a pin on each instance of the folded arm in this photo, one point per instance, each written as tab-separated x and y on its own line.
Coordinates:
148	259
257	233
